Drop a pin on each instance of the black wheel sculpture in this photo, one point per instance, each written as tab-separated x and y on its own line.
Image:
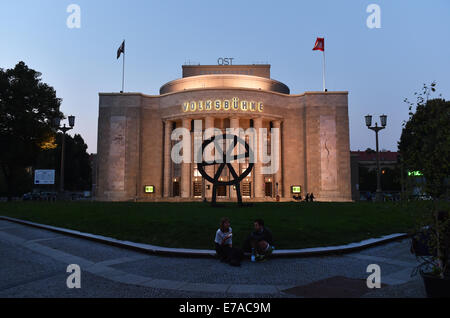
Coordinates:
224	155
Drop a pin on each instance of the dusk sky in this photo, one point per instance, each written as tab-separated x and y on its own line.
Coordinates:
379	67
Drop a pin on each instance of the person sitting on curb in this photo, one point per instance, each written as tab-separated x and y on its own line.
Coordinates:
260	240
223	240
224	246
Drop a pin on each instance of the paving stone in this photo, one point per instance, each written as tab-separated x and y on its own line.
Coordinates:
253	289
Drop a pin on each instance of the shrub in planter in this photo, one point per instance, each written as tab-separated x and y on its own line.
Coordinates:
432	245
435	286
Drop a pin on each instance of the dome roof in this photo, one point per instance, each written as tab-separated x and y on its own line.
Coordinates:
224	81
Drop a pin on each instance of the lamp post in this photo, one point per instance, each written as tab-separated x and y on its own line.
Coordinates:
376	129
64	129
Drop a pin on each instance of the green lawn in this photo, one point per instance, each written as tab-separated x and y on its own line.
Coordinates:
193	225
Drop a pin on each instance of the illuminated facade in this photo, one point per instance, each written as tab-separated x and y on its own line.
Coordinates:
135	144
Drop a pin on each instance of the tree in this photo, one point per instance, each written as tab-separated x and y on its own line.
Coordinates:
77	166
425	141
27	107
77	170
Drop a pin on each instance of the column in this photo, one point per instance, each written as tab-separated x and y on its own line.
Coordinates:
278	174
167	158
186	167
234	124
258	177
209	123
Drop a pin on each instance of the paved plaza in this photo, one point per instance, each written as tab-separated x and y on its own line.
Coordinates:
33	263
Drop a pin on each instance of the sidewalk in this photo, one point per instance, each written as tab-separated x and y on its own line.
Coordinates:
34	263
159	250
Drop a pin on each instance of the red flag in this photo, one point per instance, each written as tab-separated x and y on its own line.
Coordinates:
320	44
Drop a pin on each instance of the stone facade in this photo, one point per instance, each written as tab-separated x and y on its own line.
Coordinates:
134	140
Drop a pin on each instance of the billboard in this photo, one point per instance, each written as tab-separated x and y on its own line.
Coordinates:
44	177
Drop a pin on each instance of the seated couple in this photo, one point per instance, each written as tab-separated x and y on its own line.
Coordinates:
259	243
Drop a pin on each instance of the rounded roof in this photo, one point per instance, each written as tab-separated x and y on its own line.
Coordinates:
224	81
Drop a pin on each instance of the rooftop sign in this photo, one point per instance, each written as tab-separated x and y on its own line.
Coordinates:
222	105
225	61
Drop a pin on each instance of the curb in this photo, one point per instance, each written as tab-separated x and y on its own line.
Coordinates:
182	252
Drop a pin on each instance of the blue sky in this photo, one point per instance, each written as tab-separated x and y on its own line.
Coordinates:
379	67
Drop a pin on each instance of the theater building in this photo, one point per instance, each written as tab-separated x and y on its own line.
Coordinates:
134	137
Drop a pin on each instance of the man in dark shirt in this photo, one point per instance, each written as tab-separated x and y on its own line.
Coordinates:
260	240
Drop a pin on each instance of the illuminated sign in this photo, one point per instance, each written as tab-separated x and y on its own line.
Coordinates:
414	174
44	177
296	189
149	189
222	105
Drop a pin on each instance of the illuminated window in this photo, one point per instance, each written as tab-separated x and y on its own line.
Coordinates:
196	172
243	170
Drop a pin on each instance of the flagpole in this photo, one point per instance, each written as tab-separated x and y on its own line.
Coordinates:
323	73
123	70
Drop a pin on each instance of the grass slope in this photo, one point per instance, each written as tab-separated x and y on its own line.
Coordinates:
193	225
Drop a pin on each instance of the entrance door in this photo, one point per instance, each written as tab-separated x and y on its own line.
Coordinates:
197	186
268	189
176	189
246	189
221	191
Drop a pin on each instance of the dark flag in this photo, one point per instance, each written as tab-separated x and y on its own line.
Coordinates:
320	44
121	49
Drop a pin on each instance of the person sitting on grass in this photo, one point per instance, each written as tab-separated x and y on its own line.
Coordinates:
260	241
223	240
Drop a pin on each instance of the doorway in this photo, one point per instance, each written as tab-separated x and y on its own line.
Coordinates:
221	190
176	189
197	187
246	189
268	189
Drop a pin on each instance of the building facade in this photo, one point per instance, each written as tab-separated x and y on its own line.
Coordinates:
367	160
135	139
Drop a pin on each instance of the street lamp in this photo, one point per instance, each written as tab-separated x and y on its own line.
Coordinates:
64	129
376	129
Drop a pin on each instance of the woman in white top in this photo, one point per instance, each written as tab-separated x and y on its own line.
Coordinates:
223	240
